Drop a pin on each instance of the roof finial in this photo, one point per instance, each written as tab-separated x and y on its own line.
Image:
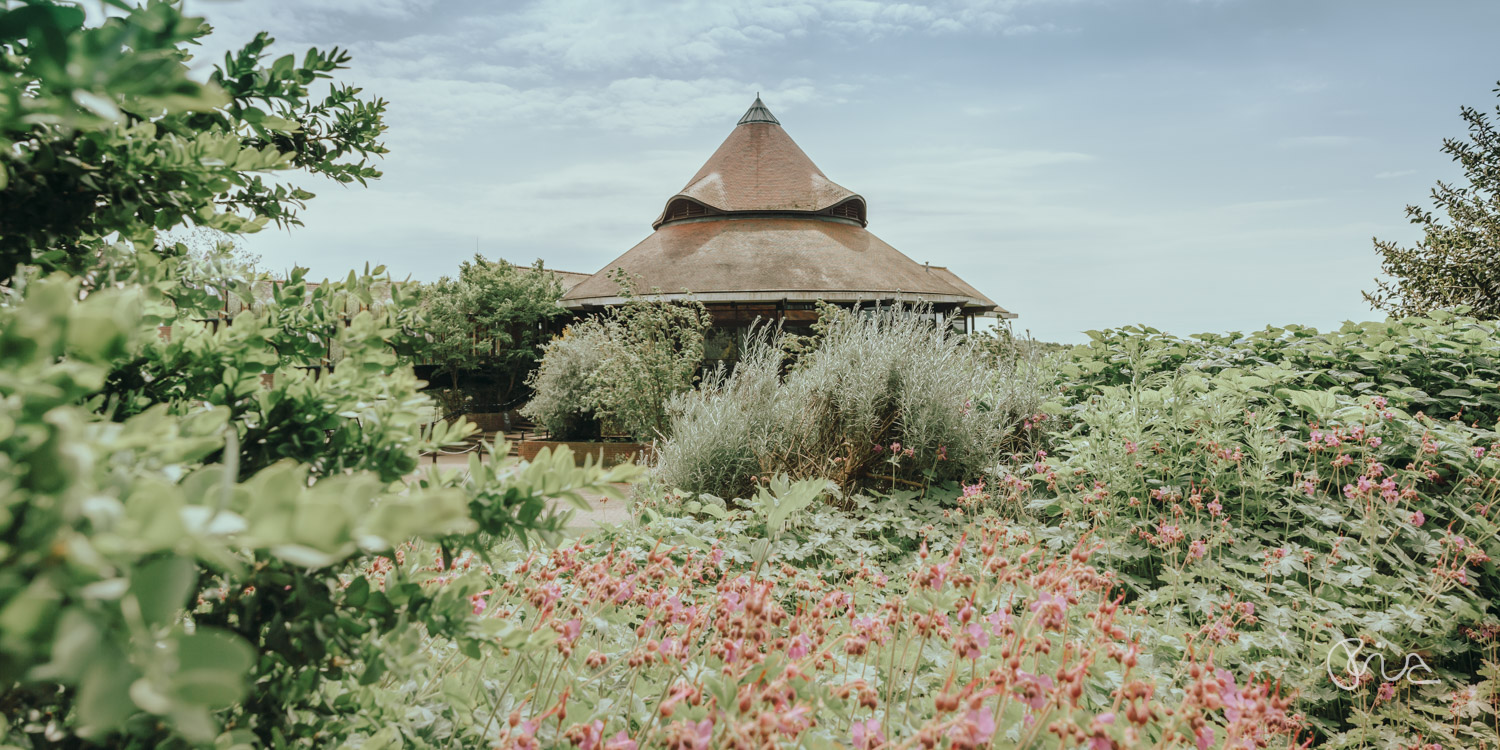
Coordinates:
759	113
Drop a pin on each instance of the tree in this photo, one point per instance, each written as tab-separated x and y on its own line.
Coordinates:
103	130
173	530
488	325
1457	261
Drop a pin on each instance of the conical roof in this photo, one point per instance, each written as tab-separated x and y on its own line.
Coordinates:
761	223
760	168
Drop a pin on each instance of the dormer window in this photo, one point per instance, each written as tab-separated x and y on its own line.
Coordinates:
850	209
683	208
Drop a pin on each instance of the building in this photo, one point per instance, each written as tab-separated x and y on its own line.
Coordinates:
761	232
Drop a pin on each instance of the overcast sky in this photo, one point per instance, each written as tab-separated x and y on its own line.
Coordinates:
1194	166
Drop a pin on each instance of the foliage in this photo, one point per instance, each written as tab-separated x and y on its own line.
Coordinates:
147	468
205	245
881	529
332	418
1444	365
563	401
620	367
489	324
112	526
1453	265
655	348
1292	473
885	397
103	129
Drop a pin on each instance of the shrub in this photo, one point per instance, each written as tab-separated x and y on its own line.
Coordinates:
888	397
1444	364
174	530
1243	474
655	348
563	400
621	368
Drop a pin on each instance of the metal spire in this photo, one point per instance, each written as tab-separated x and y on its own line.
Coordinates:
759	113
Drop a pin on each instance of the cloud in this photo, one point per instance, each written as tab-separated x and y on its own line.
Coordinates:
429	108
1305	85
1317	141
585	35
1394	173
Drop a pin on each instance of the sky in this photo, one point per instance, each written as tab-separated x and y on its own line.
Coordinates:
1192	166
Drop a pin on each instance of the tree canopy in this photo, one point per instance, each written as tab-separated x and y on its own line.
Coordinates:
488	325
104	132
1457	261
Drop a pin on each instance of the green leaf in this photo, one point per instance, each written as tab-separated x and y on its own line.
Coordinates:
162	586
212	667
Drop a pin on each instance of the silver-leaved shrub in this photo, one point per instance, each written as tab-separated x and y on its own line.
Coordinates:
887	398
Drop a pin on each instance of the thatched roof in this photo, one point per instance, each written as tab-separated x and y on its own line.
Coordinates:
760	168
761	223
570	279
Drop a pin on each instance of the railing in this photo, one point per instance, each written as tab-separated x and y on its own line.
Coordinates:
522	428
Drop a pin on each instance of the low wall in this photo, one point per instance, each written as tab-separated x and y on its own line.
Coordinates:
607	454
493	421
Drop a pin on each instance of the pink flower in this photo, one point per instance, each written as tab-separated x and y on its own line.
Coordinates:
1034	688
477	601
1386	692
799	647
867	735
974	731
587	735
1051	611
1100	741
981	641
620	741
998	621
1205	737
1170	533
1479	451
1417	519
1196	549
